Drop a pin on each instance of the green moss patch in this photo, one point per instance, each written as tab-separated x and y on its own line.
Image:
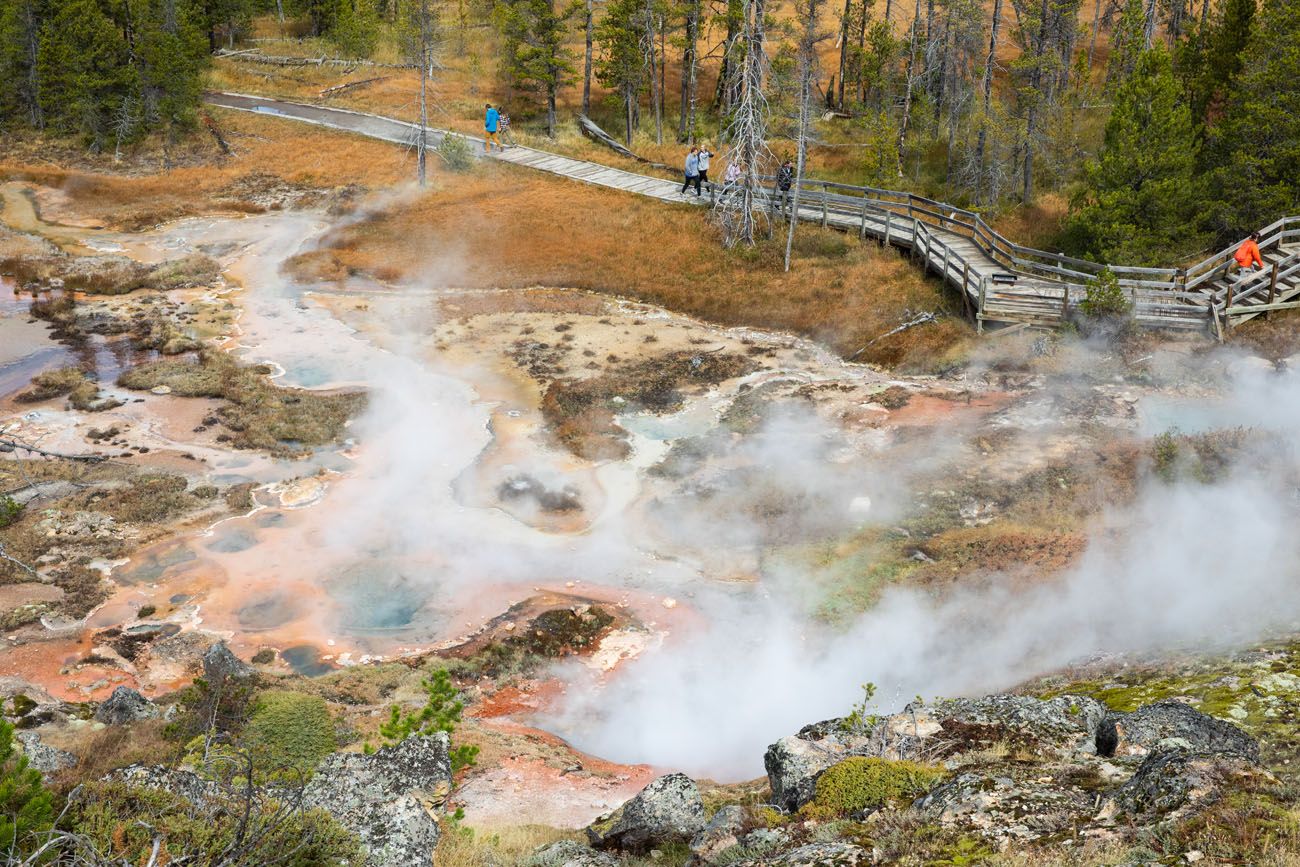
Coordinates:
290	730
857	784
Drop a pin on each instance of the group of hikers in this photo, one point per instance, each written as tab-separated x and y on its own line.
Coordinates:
696	171
496	125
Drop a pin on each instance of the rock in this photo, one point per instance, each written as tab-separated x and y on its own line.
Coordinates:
814	855
667	810
184	784
723	831
568	853
1171	779
923	733
1172	724
1033	804
387	799
219	663
44	758
161	389
125	705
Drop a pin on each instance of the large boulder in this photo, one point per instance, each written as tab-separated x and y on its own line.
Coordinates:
836	854
388	799
124	706
184	784
723	831
1175	779
668	810
43	757
569	853
1171	724
927	732
220	663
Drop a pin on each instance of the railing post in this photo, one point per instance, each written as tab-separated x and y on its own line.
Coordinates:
825	195
909	214
889	224
713	195
862	232
965	281
1065	302
946	251
1272	290
979	317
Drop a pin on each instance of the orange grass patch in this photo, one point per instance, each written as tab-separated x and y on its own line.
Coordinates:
502	226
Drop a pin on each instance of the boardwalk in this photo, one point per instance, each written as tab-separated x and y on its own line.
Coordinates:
999	281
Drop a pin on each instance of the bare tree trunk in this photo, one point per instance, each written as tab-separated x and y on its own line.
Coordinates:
648	35
807	74
686	125
748	135
1031	118
426	63
586	67
906	119
862	49
844	52
1092	43
1149	25
32	47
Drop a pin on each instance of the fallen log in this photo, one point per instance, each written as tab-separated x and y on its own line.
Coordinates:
339	88
919	320
216	133
589	129
276	60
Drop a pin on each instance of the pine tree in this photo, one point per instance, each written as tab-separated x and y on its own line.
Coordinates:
1209	59
534	56
621	66
1255	148
85	68
1140	194
26	807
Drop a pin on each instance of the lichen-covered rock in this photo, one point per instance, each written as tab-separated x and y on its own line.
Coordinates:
387	799
814	855
569	853
667	810
1171	724
184	784
1005	807
124	706
1172	779
219	663
924	732
722	832
42	757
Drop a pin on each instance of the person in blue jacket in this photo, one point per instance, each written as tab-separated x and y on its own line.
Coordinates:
490	121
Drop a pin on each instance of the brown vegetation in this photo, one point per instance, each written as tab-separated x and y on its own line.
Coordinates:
505	227
81	391
256	413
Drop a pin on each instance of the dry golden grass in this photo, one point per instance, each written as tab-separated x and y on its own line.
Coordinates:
462	847
505	227
139	193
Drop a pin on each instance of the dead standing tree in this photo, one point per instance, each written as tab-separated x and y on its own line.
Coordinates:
737	208
808	68
420	42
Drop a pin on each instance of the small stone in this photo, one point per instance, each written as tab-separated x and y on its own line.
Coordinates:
669	603
161	389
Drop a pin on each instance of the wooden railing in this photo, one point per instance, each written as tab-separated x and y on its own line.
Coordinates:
1161	296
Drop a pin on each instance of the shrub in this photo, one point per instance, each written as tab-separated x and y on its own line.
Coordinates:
26	808
124	821
441	713
1164	454
857	783
10	510
290	730
1105	297
455	152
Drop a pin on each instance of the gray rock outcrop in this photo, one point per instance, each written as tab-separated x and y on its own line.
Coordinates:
723	831
814	855
569	853
667	810
219	663
124	706
1171	724
387	799
926	732
1171	779
43	757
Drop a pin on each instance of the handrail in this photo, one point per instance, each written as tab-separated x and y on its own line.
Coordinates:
1029	260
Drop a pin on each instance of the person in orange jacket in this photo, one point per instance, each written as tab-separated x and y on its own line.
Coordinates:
1247	255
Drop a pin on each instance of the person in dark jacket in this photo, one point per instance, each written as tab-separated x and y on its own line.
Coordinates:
784	180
